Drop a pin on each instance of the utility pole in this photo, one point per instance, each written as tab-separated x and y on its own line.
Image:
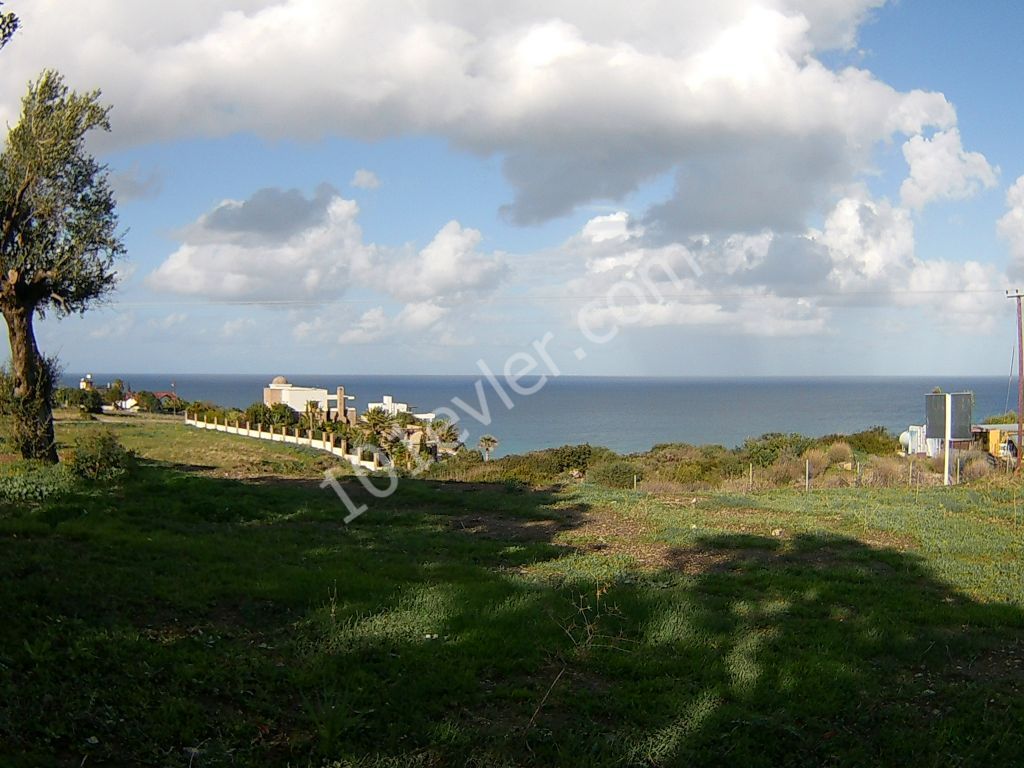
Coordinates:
1016	294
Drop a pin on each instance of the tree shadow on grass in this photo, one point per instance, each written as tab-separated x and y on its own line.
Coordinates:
195	620
816	650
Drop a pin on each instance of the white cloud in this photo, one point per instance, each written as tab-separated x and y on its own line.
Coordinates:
583	103
236	327
1011	227
448	269
941	169
280	246
169	321
414	319
234	253
777	285
364	179
115	328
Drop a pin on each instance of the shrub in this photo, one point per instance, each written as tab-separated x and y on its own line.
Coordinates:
573	457
148	402
257	413
614	474
976	468
840	453
768	448
100	456
1010	417
877	441
818	460
34	481
884	471
786	471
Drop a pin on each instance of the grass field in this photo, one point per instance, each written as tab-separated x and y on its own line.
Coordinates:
212	609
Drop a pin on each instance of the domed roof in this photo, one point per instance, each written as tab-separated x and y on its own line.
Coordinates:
279	380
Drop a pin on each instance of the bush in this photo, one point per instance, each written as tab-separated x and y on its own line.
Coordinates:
34	481
885	472
976	468
1010	417
148	402
818	460
572	457
840	453
768	448
877	441
100	456
258	413
786	471
614	474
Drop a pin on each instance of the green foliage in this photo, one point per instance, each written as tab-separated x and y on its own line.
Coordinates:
114	393
405	419
615	474
573	457
148	402
57	200
100	456
258	413
28	419
380	424
444	432
34	481
1010	417
282	415
487	444
8	26
767	449
88	400
877	441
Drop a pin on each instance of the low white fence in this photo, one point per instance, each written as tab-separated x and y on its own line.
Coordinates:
326	442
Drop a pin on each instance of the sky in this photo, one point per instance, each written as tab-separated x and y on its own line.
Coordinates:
658	188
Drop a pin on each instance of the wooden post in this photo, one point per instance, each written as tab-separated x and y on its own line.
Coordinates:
750	484
807	474
947	438
910	482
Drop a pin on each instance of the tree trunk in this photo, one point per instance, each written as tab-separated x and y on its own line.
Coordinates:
32	413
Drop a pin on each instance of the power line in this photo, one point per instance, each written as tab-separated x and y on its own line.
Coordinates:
528	298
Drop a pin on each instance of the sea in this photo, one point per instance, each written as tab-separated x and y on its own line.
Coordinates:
625	414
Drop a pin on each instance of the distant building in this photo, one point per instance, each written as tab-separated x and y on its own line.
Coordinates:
85	382
332	406
391	408
999	440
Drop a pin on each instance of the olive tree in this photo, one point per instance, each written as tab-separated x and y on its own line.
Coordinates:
8	26
58	238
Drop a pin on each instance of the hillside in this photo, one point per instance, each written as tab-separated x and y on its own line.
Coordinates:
211	608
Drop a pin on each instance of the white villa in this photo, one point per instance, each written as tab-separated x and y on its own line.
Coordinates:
295	397
391	408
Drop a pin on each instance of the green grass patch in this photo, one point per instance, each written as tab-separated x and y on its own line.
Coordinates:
211	608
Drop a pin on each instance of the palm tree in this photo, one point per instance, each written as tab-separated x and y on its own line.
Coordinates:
313	416
380	423
487	444
444	432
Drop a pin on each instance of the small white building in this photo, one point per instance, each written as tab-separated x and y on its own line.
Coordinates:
391	408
